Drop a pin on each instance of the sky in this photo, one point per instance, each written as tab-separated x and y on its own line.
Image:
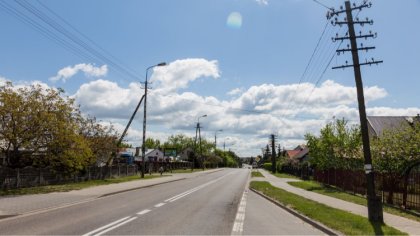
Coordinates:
254	67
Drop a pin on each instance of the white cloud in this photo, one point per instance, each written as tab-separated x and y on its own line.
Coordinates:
107	99
262	2
89	70
3	80
278	109
180	73
235	91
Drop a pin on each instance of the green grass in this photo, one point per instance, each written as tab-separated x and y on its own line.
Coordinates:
72	186
256	174
284	175
181	171
340	194
339	220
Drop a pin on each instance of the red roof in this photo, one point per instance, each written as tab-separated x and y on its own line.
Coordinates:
292	153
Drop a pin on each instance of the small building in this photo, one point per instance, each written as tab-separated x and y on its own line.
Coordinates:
154	155
186	154
298	155
377	124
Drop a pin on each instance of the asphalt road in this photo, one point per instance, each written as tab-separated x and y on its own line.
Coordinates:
208	204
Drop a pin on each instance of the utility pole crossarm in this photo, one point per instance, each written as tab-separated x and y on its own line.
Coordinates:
360	64
359	49
360	36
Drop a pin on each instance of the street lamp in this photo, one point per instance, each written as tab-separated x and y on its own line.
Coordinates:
215	138
143	147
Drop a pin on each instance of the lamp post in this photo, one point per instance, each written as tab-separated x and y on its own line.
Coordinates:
215	138
143	147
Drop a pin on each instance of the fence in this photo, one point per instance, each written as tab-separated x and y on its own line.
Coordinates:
402	192
30	176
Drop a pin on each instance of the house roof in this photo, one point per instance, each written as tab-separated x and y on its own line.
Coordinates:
381	123
292	153
302	153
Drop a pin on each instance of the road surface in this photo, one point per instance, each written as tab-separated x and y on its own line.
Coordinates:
215	203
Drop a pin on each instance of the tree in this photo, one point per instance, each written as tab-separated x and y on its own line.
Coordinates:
338	146
393	151
179	142
101	139
152	143
41	127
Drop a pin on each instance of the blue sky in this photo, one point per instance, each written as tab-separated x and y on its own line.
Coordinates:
216	69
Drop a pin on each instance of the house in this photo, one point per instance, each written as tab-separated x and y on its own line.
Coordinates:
186	154
377	124
154	155
298	155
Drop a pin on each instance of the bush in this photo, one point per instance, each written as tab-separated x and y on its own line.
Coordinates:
267	166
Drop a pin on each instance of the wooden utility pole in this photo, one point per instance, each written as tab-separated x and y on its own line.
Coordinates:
273	153
374	202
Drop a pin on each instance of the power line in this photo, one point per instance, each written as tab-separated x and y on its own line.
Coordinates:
55	25
85	36
44	31
320	3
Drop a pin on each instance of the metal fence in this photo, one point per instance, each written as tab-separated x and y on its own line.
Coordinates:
402	192
31	177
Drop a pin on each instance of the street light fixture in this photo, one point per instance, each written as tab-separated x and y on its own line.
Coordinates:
143	147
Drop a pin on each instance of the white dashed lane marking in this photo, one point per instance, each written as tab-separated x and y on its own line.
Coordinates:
143	212
160	204
238	226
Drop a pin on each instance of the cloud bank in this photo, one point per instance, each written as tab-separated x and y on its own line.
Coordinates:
88	69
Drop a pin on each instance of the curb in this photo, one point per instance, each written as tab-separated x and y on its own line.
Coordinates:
136	188
308	220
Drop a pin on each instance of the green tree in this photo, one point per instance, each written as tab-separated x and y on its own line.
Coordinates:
393	151
40	127
152	143
179	142
338	146
101	139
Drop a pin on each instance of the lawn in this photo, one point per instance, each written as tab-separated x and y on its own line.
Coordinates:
340	194
284	175
181	171
73	186
339	220
256	174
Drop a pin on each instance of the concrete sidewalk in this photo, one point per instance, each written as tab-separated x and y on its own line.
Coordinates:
403	224
26	204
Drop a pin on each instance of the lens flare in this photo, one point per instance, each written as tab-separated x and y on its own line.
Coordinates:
234	20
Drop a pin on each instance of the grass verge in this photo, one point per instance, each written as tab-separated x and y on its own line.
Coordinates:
72	186
182	171
256	174
340	194
339	220
284	175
